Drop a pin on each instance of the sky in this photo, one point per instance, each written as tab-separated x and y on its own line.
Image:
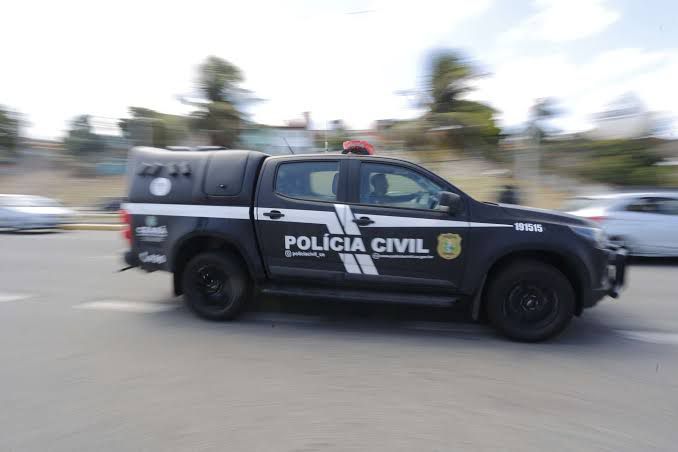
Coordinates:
337	59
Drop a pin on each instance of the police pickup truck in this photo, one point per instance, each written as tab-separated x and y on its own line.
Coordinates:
357	227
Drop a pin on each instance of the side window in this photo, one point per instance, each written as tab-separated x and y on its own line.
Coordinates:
314	180
643	205
668	206
396	186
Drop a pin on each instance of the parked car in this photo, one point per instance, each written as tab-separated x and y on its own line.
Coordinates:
645	224
20	212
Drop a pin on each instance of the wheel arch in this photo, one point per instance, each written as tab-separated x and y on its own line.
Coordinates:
569	265
195	243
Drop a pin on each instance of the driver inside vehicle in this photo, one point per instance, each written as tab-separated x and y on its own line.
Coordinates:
379	193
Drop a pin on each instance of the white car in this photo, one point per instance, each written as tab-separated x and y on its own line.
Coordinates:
19	212
645	224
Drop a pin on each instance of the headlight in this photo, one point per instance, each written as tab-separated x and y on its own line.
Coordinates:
595	235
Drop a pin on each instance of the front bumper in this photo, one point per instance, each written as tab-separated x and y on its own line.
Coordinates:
616	271
612	274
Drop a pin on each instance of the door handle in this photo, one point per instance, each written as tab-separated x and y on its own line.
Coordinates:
363	221
274	214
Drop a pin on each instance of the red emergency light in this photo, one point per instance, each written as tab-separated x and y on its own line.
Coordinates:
359	147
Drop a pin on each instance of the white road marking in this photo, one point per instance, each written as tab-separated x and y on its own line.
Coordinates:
653	337
127	306
6	297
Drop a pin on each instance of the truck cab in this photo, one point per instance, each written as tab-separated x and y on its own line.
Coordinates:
347	226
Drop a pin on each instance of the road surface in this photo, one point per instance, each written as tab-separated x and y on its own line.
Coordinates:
98	360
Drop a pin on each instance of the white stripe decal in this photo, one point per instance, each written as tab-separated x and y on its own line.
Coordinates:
301	216
364	260
346	217
188	210
489	225
367	264
350	263
325	217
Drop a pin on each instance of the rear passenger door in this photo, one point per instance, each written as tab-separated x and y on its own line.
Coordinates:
668	229
296	221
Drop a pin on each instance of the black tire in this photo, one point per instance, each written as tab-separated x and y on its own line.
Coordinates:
529	301
215	285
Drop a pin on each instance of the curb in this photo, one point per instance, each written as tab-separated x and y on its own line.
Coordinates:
91	227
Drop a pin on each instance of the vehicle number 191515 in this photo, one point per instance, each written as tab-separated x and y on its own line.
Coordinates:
529	227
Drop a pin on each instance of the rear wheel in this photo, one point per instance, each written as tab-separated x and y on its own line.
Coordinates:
530	301
215	286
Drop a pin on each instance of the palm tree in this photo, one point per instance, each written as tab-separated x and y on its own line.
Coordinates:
220	116
463	122
448	77
10	125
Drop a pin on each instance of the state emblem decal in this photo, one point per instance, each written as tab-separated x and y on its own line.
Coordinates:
449	246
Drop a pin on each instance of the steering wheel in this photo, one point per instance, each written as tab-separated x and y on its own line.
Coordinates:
433	203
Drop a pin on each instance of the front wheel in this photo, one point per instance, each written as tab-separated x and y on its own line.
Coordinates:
215	286
530	301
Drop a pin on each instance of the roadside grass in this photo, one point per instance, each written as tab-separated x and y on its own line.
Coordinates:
473	176
59	184
477	177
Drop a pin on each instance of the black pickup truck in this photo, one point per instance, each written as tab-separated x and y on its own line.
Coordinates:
227	223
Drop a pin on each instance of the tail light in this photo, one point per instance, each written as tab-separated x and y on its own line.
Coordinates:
126	220
597	219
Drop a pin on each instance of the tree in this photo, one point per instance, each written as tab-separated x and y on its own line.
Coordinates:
10	125
152	128
461	122
81	139
448	80
218	80
220	115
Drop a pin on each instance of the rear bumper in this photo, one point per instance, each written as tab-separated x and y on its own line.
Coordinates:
131	259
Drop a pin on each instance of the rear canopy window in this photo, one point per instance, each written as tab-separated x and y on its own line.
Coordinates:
308	180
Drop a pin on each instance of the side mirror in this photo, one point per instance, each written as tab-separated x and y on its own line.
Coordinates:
450	200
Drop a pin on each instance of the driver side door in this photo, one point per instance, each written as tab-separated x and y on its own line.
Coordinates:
410	240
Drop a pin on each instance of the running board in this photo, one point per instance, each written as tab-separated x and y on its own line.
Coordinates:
360	295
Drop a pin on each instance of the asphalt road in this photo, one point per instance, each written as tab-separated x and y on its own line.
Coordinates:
98	360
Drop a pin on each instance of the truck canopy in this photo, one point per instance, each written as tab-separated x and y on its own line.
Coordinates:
226	177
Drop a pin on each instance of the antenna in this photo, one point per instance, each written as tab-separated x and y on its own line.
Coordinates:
288	145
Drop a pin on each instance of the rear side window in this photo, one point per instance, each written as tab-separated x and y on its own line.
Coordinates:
668	206
643	205
316	181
